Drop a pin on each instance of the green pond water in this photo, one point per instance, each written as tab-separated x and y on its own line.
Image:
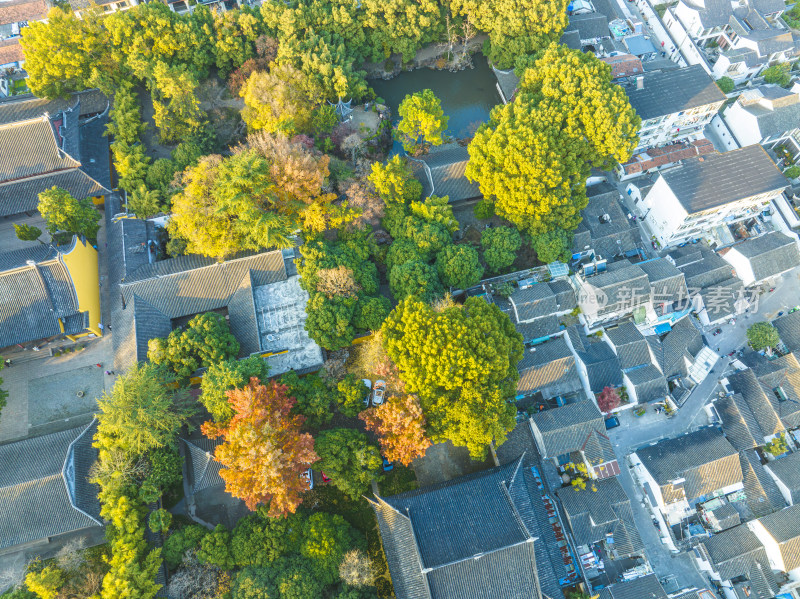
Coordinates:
467	96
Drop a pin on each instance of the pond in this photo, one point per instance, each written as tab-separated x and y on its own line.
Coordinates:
467	96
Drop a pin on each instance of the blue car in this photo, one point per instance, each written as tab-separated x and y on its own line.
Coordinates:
387	465
612	422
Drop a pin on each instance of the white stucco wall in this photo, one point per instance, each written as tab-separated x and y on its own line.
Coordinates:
744	269
663	213
742	124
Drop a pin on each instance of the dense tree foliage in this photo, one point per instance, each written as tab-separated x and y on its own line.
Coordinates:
500	246
352	392
66	216
400	426
348	458
141	413
553	245
461	362
459	266
222	377
206	340
343	284
257	198
253	469
534	155
516	28
313	395
422	120
608	400
133	566
762	335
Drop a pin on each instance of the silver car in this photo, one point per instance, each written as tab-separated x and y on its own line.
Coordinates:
378	392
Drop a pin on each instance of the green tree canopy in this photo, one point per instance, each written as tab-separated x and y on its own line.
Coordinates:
257	198
500	247
313	397
401	26
421	120
279	101
778	73
395	182
349	459
461	361
726	84
459	266
27	232
221	377
516	28
141	413
350	398
67	215
553	245
762	335
534	155
326	539
206	340
415	278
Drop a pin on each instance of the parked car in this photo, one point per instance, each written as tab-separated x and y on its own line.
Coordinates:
368	385
308	476
612	422
387	465
377	393
325	479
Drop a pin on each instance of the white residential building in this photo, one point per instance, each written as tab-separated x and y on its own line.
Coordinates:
674	105
749	34
677	474
690	199
764	258
768	115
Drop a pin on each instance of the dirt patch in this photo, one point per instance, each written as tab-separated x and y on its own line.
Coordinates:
526	258
445	461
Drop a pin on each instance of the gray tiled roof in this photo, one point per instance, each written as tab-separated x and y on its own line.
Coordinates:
787	469
571	39
602	365
720	299
444	175
788	327
36	495
565	429
623	334
668	92
765	419
727	516
709	270
589	26
623	285
34	298
548	368
784	527
786	376
763	495
738	422
738	552
667	283
593	515
191	285
770	254
20	108
538	328
648	383
704	459
713	180
23	196
533	302
464	537
713	13
31	148
202	467
646	587
682	343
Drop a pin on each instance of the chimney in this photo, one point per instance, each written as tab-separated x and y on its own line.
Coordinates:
640	82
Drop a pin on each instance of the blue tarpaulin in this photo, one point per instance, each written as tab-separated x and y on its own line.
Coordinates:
662	328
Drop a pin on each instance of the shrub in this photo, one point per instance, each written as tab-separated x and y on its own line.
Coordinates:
181	541
483	210
726	84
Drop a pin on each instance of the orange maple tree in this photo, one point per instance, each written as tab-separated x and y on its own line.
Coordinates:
264	452
400	427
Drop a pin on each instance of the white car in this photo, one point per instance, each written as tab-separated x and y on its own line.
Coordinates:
378	392
368	385
308	476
